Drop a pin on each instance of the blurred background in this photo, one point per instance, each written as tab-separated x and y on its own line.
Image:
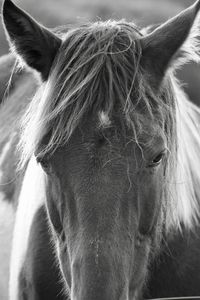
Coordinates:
52	13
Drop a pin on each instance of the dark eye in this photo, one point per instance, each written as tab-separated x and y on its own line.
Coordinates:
156	160
44	163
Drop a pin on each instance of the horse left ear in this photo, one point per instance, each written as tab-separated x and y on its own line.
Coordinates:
34	43
160	47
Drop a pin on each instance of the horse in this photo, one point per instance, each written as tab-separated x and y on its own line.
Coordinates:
106	160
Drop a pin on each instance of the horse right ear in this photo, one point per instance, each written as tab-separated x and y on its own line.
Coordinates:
36	44
171	43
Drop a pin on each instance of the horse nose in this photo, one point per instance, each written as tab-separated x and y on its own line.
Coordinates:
95	279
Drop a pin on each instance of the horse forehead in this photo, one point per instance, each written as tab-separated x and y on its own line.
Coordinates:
149	127
146	129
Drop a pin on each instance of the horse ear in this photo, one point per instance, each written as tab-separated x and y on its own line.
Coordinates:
34	43
160	47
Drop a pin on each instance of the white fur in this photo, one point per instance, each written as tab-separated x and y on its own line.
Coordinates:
6	229
104	119
3	156
186	187
6	225
31	198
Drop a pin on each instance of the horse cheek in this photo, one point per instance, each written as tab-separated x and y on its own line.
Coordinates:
150	201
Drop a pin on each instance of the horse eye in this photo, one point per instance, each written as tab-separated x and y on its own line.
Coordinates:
157	160
44	163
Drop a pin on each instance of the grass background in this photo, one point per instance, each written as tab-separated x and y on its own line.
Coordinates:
58	12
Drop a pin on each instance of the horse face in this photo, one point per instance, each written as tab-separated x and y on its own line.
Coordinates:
103	197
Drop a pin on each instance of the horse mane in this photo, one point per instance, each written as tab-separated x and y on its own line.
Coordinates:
187	183
98	66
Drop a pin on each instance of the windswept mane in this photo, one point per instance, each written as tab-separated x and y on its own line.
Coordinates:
187	184
98	67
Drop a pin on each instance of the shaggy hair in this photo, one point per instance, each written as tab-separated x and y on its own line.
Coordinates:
98	67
